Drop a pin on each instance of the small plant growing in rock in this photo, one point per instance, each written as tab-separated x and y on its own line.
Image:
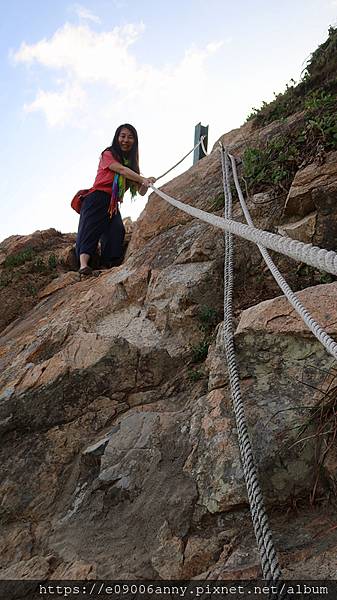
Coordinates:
31	289
195	374
326	278
304	270
208	317
273	164
322	128
52	261
218	202
319	99
320	427
200	351
5	280
39	266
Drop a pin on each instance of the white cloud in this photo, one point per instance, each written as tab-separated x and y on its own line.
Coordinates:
85	14
102	83
58	107
83	53
85	57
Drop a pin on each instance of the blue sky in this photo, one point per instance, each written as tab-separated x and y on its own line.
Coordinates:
72	72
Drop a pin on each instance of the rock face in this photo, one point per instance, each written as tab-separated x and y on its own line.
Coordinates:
314	190
300	200
33	266
29	263
126	455
302	230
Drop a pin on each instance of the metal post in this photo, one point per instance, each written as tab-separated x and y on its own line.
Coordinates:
200	130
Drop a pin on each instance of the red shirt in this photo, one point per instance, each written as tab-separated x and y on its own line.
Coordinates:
104	179
105	176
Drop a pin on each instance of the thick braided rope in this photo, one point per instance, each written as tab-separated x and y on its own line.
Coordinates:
311	255
201	141
269	561
203	145
328	343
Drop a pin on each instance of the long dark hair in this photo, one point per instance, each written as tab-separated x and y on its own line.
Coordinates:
116	151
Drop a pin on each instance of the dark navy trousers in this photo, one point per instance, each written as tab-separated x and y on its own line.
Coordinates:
95	225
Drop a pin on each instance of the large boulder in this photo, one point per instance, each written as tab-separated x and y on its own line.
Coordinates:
27	265
314	190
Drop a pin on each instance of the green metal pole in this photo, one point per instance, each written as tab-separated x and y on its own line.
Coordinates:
200	130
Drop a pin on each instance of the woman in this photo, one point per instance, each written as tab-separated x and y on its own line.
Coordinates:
100	218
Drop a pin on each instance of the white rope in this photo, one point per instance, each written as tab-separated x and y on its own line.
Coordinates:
203	145
306	253
201	141
318	332
311	255
269	561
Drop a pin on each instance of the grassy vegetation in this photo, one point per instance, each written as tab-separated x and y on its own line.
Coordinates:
5	280
319	77
208	318
16	260
52	261
274	163
9	274
195	374
200	351
29	255
218	202
320	428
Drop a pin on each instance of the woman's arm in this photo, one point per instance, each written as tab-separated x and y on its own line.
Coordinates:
129	174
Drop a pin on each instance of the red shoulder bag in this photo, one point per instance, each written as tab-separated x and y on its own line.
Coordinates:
77	200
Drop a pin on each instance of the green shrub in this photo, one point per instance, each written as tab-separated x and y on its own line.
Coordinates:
19	259
319	99
39	266
5	280
218	202
320	128
200	351
326	278
52	261
273	164
195	374
208	317
31	289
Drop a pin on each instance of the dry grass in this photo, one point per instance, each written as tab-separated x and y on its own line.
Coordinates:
320	427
